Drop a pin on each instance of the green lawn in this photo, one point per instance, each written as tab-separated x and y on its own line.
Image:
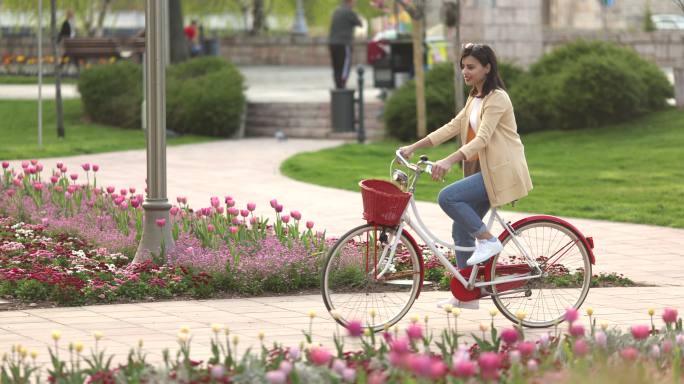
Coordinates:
632	172
18	79
19	132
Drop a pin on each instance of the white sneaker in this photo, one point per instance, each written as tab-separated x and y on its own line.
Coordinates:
484	251
454	302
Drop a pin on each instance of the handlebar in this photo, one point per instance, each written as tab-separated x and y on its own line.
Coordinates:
416	167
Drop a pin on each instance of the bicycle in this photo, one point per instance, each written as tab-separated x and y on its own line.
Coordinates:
375	272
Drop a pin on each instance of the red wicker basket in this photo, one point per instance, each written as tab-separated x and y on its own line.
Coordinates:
383	202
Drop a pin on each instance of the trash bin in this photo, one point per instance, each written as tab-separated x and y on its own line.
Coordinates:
211	46
342	110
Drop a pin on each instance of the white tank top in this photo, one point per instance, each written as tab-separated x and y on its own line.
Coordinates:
475	113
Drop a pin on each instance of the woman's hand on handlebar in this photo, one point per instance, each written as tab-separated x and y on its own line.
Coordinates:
440	169
407	151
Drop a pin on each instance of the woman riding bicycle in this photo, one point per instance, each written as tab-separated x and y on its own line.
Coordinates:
494	166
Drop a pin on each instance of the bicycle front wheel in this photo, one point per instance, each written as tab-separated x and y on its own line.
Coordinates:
565	273
362	280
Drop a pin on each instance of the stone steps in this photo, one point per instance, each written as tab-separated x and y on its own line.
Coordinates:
306	120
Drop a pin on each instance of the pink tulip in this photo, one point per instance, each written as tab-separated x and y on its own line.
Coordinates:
274	202
234	230
279	208
419	364
227	199
285	219
161	222
54	179
489	365
680	340
24	164
319	355
123	192
577	330
59	189
464	369
72	188
96	167
131	190
233	211
34	162
400	346
236	221
73	176
669	315
60	165
251	207
414	331
135	203
253	220
174	211
377	377
438	369
215	202
349	375
640	332
580	348
309	224
629	353
509	336
10	192
85	166
219	210
110	189
16	182
667	346
64	169
230	203
44	221
31	169
123	205
276	377
527	348
119	200
38	186
601	339
532	365
296	215
571	315
355	328
244	213
285	366
39	167
217	371
5	164
210	228
655	352
67	195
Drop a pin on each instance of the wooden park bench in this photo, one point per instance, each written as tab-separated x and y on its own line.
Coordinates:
86	48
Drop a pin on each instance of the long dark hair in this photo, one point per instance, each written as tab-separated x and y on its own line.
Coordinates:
485	55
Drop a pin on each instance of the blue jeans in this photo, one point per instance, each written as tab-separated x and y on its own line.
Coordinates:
466	203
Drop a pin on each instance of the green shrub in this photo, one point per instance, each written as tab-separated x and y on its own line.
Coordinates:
112	94
32	290
206	97
400	109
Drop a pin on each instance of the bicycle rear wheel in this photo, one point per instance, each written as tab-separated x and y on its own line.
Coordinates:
360	276
566	273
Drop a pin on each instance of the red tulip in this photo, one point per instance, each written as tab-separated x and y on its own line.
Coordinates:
640	332
5	164
96	167
85	166
309	224
509	336
161	222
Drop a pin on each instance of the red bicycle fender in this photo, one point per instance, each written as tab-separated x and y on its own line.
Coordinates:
587	241
419	251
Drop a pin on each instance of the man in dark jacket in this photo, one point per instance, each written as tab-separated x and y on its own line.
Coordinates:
68	27
344	20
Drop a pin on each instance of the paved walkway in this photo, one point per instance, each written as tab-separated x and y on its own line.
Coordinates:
248	171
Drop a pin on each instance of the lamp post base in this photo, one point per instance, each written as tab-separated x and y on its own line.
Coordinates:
152	235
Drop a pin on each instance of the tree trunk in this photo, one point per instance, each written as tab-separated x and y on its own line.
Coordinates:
99	28
259	18
458	76
179	43
58	69
419	75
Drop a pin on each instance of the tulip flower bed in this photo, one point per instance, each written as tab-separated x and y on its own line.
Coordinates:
73	243
572	354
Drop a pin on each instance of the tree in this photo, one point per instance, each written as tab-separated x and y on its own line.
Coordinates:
452	19
417	12
680	3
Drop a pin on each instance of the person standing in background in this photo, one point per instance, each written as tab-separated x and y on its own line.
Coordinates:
344	20
68	29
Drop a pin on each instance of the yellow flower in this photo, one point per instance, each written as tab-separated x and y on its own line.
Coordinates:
651	311
183	337
493	312
261	336
140	343
23	351
415	319
236	339
98	335
521	315
226	331
184	329
372	313
78	346
604	325
56	335
366	332
216	328
456	311
335	314
312	314
34	354
448	308
590	311
484	327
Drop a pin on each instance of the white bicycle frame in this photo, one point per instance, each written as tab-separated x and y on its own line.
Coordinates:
416	223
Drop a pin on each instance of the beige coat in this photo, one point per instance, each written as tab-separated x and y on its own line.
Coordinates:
502	155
